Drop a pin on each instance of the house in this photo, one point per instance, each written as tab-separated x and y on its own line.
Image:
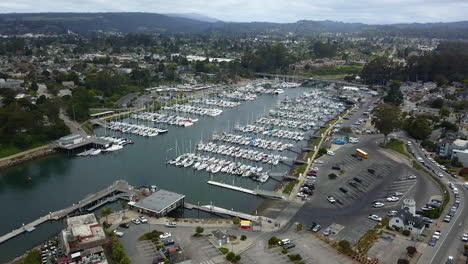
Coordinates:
219	238
406	218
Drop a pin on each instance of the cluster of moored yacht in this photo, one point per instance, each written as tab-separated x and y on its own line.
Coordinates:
237	152
186	108
215	102
166	119
253	141
117	144
136	129
303	125
279	133
214	165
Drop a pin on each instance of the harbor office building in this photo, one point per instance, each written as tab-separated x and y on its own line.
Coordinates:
159	203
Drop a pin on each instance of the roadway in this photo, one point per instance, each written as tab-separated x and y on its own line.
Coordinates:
450	243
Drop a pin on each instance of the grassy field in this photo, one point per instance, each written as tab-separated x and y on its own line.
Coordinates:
8	150
398	146
289	187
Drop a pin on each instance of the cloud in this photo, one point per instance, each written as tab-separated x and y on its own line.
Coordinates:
366	11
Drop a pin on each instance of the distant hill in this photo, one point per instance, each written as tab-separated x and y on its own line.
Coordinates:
194	16
194	23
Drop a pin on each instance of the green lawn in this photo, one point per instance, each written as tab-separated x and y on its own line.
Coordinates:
8	150
289	187
398	146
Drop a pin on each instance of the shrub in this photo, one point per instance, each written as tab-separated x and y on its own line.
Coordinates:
299	227
332	176
396	228
411	250
295	257
243	237
273	241
224	250
284	251
344	244
236	220
230	256
406	232
199	230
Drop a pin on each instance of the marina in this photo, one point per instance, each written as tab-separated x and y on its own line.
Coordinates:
144	163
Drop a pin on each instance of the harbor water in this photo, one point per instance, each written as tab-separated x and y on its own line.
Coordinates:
38	187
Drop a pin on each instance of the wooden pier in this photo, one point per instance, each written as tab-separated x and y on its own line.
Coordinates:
218	210
119	188
257	192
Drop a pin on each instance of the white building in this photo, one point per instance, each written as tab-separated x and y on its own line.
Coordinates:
406	218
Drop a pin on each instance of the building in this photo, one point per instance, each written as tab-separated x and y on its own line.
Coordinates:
70	140
462	156
81	232
406	218
11	84
159	203
219	238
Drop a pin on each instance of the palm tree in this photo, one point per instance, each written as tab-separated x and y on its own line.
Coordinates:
124	205
105	212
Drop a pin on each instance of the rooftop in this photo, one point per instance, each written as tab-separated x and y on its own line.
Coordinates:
158	201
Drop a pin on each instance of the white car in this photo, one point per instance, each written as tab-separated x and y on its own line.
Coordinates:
143	219
136	221
119	233
398	194
318	161
165	235
331	199
440	175
391	213
331	153
392	199
378	204
437	234
375	218
465	238
412	177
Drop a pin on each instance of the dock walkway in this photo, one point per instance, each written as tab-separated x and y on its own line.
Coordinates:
117	187
257	192
219	210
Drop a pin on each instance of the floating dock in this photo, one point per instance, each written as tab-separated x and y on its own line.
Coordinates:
218	210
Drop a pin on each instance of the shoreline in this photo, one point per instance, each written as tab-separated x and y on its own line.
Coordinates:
25	156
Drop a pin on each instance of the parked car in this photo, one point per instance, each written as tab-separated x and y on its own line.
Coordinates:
392	199
391	213
168	242
437	234
378	204
171	224
311	227
317	228
331	153
447	218
371	171
136	221
375	218
336	167
343	190
465	238
397	194
289	246
143	219
331	199
326	232
353	184
119	233
165	235
357	180
432	242
125	225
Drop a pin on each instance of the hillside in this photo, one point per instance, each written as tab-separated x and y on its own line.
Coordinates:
192	23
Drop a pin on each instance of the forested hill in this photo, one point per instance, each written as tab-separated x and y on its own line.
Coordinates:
159	23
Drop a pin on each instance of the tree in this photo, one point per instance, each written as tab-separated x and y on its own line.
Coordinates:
406	232
394	95
386	118
299	227
273	241
411	250
230	256
455	162
418	128
437	103
106	212
444	111
236	220
199	230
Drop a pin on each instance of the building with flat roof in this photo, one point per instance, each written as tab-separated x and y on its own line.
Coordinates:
159	203
81	232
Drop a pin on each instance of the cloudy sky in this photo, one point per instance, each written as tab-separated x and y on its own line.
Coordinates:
366	11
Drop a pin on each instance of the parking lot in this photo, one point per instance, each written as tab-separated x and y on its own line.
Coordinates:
356	188
311	249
